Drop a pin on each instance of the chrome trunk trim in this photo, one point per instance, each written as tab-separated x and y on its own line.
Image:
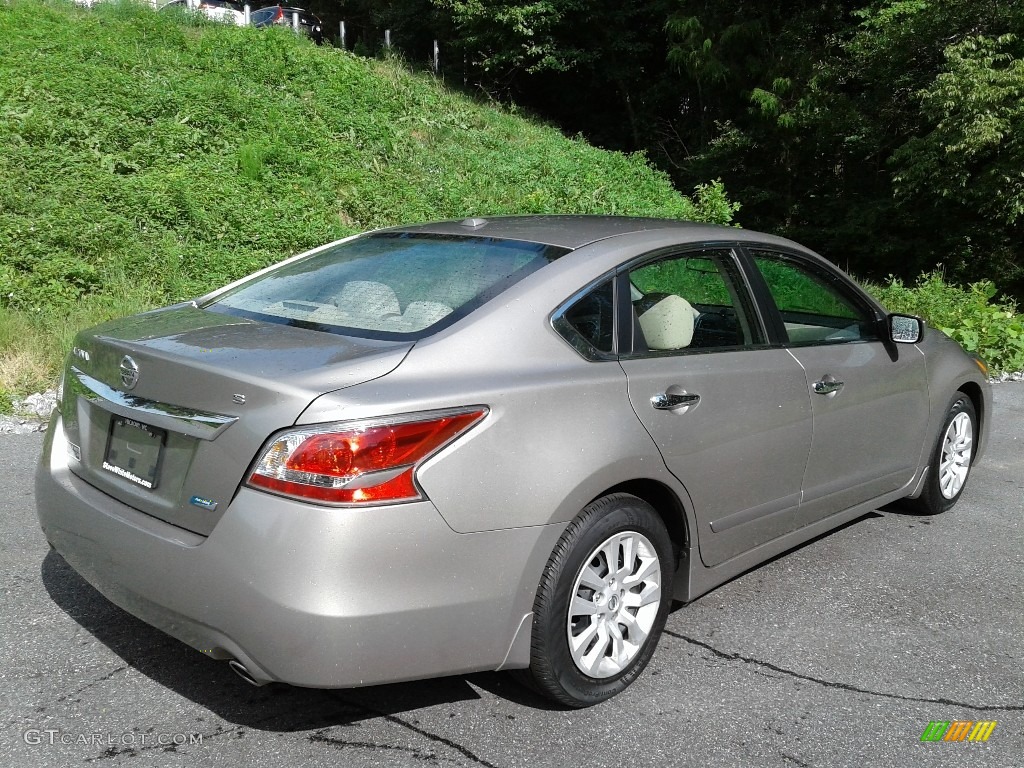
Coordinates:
187	421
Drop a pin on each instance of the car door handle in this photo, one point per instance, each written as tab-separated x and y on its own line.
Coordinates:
669	401
827	385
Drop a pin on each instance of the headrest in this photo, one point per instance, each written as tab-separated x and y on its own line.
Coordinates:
668	324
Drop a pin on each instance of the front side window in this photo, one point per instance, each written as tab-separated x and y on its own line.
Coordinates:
815	308
388	285
692	301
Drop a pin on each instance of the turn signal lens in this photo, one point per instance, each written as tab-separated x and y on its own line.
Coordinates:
360	462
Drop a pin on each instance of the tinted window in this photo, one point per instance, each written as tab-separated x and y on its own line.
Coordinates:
591	320
387	285
815	307
693	301
264	15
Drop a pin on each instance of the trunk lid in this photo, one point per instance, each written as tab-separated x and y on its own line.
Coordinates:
209	390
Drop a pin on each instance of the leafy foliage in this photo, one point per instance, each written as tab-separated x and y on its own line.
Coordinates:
975	151
973	316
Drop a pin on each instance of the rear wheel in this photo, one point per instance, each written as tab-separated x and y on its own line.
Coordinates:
950	464
602	602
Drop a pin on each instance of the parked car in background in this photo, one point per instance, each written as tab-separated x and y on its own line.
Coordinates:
283	15
491	444
228	11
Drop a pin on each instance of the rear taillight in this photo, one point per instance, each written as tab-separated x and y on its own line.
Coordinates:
359	462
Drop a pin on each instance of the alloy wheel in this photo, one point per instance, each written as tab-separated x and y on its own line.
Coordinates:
614	604
957	445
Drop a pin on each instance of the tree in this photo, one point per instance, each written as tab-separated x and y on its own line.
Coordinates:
943	84
974	152
883	133
885	136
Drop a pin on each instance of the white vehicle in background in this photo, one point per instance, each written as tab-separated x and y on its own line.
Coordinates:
227	11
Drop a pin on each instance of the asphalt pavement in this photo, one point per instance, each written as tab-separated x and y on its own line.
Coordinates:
839	653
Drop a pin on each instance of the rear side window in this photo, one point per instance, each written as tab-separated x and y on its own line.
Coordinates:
693	301
389	286
588	323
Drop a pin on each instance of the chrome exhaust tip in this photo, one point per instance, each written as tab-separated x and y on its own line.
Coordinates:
243	673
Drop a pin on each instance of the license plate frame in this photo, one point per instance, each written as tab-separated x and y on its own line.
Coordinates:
135	452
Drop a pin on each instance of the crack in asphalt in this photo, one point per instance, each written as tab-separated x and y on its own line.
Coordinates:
273	720
134	751
318	737
422	732
796	760
97	681
82	689
842	686
321	737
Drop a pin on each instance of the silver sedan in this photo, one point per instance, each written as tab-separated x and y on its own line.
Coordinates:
490	444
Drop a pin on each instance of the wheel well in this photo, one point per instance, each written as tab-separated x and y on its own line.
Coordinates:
665	503
973	391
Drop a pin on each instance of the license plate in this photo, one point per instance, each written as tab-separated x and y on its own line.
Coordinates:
134	451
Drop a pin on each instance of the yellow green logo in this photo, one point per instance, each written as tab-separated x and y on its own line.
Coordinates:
959	730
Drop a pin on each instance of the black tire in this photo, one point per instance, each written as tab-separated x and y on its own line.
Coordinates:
941	491
611	524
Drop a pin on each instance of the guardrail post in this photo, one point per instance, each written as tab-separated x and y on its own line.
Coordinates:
342	36
387	39
246	14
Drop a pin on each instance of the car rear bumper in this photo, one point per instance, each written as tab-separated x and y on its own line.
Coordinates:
310	596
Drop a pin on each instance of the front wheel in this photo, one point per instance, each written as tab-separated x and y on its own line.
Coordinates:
602	602
951	458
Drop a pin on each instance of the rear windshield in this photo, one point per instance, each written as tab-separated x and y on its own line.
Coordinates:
389	285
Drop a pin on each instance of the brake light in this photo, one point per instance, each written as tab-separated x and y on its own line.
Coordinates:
362	462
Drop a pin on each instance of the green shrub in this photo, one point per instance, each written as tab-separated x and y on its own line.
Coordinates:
973	316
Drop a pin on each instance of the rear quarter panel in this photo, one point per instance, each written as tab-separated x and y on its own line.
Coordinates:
559	432
560	429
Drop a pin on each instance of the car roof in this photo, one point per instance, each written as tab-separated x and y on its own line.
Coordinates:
575	231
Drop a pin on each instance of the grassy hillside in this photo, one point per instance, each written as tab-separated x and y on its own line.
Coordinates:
147	157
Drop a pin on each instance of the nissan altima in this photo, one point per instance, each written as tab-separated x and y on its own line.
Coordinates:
490	444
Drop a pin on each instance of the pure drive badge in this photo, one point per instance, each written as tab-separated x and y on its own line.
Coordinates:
199	501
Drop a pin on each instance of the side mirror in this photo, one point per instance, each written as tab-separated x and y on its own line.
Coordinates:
905	329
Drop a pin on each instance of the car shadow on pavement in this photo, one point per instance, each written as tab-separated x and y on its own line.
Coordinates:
213	685
873	515
905	508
